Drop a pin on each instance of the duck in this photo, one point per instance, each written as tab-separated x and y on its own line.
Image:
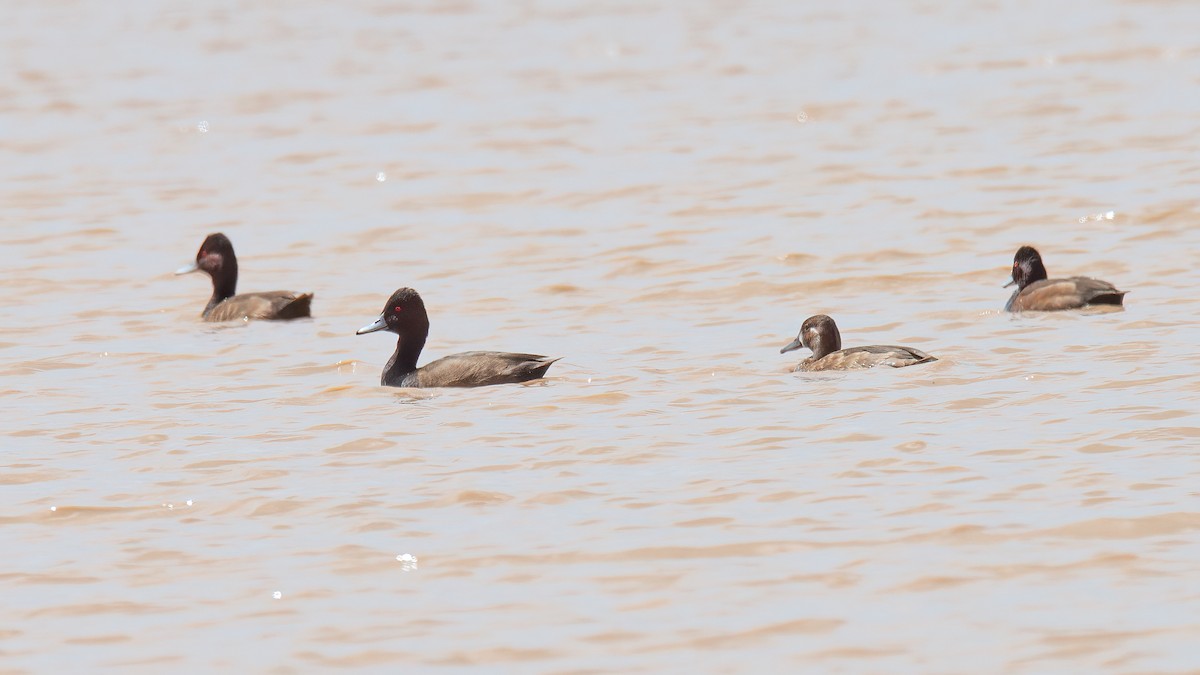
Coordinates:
216	259
820	334
405	315
1037	293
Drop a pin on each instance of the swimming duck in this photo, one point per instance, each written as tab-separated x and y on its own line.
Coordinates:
1036	292
216	259
404	314
820	334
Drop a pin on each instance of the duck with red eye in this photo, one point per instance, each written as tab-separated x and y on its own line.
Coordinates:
820	334
404	314
1035	292
216	259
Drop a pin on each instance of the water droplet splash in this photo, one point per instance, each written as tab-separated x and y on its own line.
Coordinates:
1107	215
801	117
408	562
202	127
381	176
277	595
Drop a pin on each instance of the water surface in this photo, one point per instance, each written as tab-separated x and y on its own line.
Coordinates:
660	195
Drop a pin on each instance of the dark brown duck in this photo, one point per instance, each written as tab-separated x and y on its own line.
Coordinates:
404	314
1037	293
216	259
820	334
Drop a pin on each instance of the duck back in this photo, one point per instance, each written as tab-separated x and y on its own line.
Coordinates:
269	305
856	358
1050	295
476	369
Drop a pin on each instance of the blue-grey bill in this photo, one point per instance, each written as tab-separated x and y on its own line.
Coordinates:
379	324
186	269
1011	281
794	344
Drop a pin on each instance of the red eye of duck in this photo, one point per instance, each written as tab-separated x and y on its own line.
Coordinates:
397	309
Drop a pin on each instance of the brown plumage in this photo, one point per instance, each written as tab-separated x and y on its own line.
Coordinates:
216	259
1037	293
820	334
405	315
267	305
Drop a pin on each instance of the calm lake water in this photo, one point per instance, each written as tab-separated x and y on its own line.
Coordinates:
659	193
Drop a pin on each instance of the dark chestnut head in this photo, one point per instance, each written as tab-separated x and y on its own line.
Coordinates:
404	314
820	334
1027	267
216	258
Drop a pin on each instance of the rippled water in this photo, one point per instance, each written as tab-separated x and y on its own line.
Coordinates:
659	194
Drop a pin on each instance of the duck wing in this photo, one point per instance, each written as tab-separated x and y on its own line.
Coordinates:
1051	295
268	305
870	356
899	357
479	369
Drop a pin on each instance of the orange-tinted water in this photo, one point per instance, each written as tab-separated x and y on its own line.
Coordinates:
660	194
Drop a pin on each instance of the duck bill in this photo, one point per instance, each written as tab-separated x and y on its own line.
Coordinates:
187	269
379	324
1011	281
793	345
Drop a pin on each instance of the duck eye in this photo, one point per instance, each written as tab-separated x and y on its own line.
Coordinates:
397	309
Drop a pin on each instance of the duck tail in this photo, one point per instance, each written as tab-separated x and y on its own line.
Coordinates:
301	306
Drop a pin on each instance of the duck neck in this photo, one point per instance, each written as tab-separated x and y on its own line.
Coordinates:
1032	272
224	280
820	349
1037	272
824	345
404	359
